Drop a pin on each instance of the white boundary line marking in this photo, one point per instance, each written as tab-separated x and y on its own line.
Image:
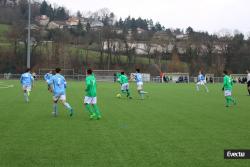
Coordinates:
5	86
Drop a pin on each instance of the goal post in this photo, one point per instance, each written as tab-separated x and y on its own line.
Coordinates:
239	78
106	75
175	77
209	78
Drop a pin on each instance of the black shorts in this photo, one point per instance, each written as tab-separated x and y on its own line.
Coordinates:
248	84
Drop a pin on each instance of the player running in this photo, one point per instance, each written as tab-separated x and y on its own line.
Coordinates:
90	97
47	78
248	82
201	81
227	88
123	79
58	85
139	83
27	83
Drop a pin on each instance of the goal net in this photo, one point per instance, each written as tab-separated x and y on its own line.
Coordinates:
106	75
175	77
239	78
209	78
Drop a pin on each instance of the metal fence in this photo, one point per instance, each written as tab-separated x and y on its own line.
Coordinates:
67	77
157	79
154	79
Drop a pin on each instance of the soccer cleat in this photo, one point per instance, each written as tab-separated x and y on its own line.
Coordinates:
92	116
98	117
54	114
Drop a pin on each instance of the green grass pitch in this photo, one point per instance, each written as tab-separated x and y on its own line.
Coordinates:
174	127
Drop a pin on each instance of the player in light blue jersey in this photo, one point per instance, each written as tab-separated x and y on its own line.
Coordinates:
201	81
47	78
58	85
27	83
139	83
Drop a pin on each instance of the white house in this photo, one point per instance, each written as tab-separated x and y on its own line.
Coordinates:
72	22
181	36
56	24
42	20
96	25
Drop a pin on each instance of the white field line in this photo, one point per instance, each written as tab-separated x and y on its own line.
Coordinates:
5	86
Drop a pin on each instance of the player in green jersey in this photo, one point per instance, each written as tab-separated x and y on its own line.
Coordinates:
118	75
90	97
227	88
123	79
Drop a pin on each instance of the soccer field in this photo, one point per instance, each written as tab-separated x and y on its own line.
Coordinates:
175	127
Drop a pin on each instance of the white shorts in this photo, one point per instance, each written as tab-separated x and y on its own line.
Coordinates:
125	86
27	88
90	100
201	83
139	85
60	97
228	93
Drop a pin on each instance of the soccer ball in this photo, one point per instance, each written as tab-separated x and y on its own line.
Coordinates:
118	95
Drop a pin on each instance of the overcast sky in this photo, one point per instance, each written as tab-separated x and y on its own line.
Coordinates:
205	15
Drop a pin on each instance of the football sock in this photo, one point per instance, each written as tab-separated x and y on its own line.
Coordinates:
232	100
28	93
206	88
97	111
123	92
55	108
141	94
68	107
26	98
227	101
128	93
88	107
197	87
249	91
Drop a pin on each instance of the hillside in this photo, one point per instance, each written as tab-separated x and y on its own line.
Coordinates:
125	43
3	30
